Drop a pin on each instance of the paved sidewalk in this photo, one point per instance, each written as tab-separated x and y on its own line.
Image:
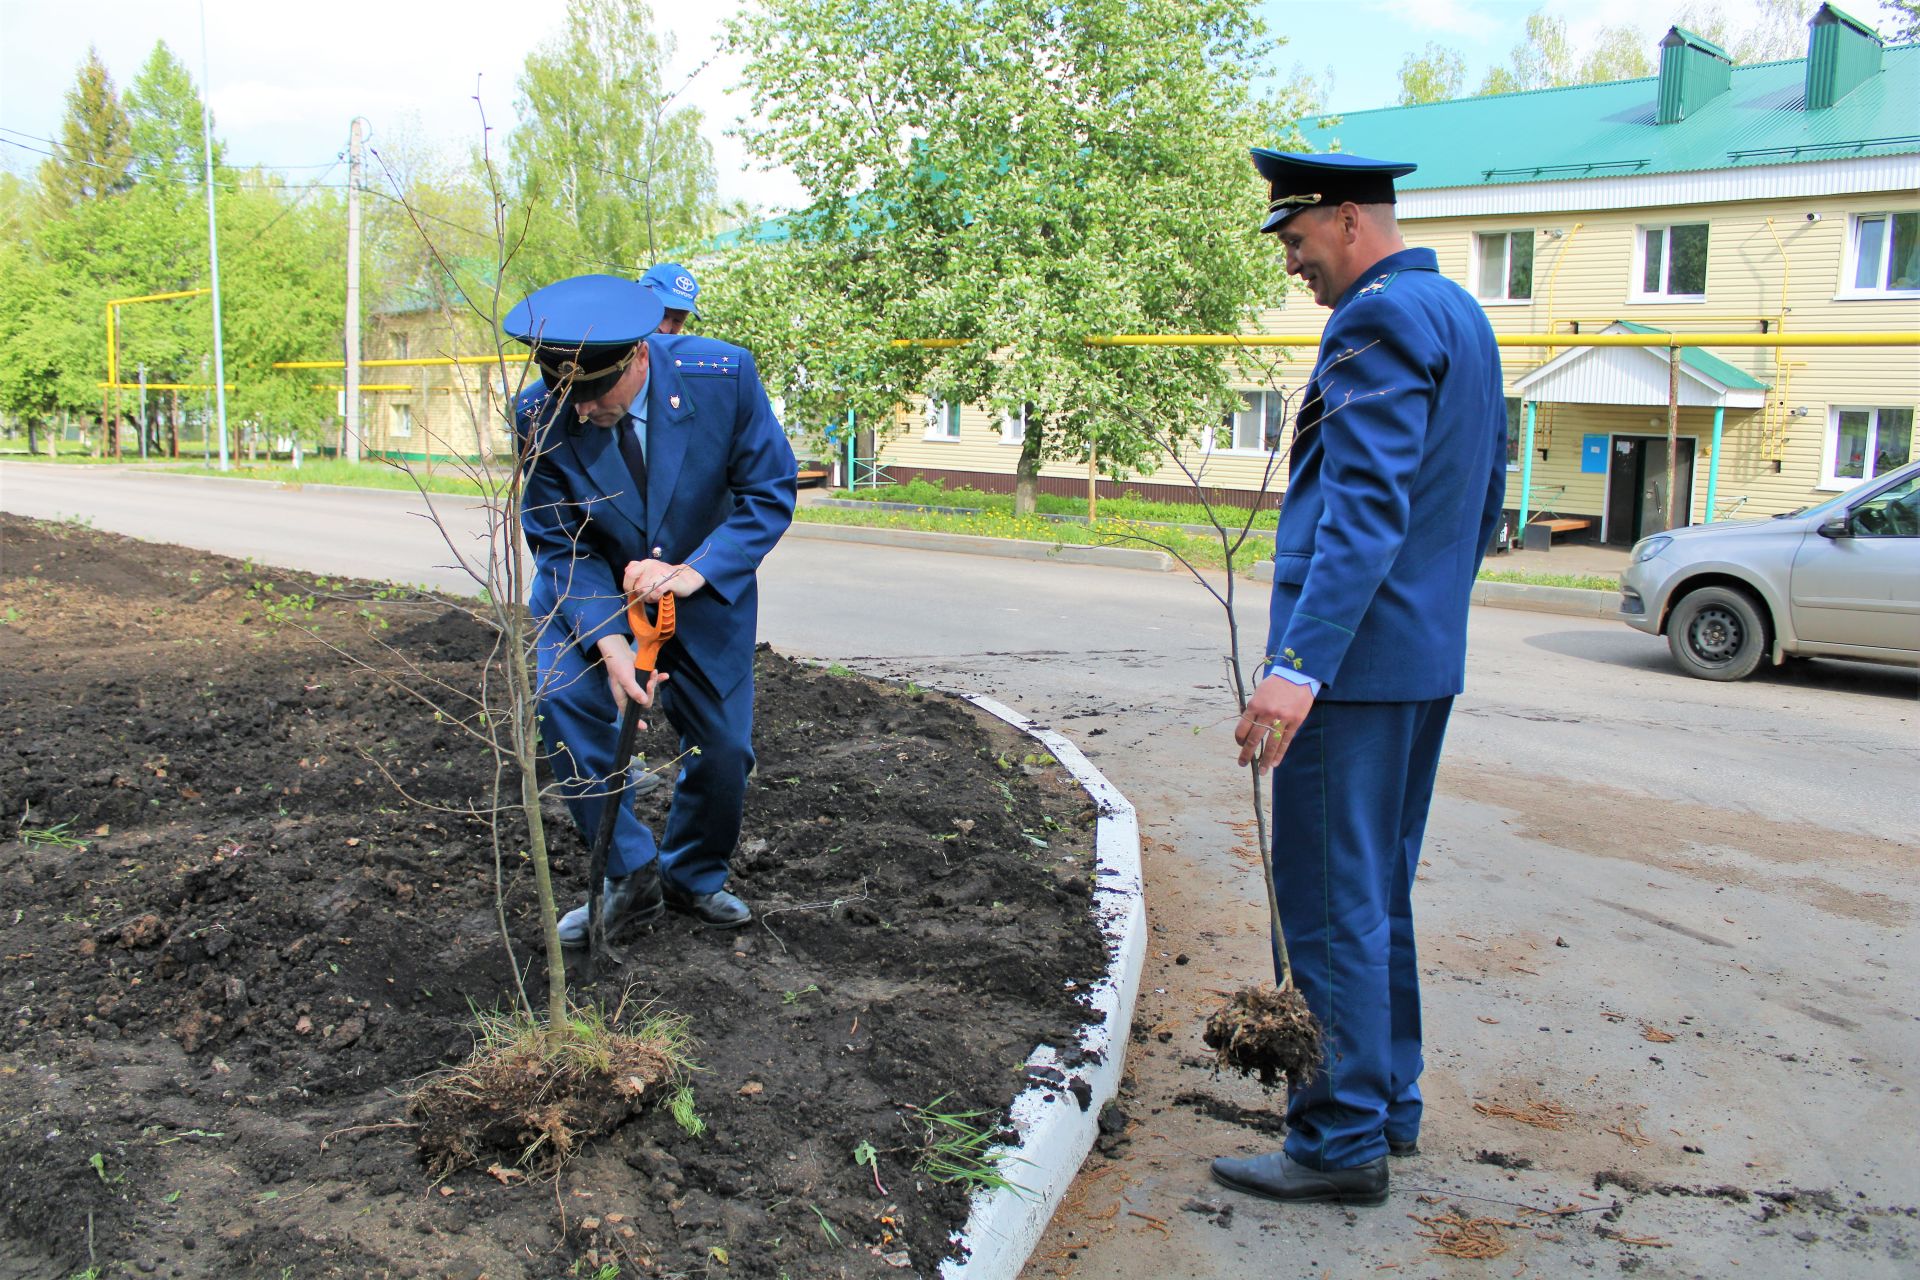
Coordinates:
1577	557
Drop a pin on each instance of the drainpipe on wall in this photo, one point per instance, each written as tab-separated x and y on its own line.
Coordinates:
1673	438
1526	475
1713	461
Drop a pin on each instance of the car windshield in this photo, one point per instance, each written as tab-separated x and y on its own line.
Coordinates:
1838	503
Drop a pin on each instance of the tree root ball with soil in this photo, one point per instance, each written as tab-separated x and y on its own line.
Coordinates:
533	1095
1268	1031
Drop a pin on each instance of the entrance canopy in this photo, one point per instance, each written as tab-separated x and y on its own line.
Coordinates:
1638	376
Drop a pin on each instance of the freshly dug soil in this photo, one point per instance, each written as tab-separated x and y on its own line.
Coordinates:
1268	1032
247	902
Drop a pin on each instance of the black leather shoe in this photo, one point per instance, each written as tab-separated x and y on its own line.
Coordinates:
1277	1177
717	910
1411	1147
624	901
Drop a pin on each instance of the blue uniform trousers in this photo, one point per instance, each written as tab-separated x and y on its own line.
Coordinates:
1350	802
581	731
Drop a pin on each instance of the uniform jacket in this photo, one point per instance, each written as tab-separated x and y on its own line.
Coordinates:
720	492
1398	474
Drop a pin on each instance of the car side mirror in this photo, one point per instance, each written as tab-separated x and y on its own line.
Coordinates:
1838	527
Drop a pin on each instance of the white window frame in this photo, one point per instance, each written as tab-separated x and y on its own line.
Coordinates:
1850	260
1503	299
943	421
1637	293
400	344
1830	446
401	424
1013	426
1232	446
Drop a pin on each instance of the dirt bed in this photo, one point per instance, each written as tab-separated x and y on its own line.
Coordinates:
261	906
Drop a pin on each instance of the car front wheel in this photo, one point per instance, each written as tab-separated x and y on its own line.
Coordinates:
1717	633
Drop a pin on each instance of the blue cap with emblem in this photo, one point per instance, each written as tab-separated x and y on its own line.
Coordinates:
583	330
1299	181
674	284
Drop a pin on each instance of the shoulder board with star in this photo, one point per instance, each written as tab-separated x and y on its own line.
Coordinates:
707	364
1376	285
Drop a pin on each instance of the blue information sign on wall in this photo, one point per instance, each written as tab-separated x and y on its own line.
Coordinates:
1593	454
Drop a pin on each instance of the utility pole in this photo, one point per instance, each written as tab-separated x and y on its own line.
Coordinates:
213	242
143	411
354	143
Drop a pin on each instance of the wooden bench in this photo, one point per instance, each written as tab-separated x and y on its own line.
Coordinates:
810	476
1558	524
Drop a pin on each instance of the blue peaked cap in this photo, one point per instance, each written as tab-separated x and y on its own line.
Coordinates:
1298	180
583	330
674	284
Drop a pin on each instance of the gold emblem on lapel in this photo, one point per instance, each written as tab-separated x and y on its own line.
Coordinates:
674	401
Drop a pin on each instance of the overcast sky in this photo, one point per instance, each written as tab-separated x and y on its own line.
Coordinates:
286	81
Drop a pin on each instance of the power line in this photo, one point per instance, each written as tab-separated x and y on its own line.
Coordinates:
94	164
140	173
316	185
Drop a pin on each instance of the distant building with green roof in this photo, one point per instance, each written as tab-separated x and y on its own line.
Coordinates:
1780	196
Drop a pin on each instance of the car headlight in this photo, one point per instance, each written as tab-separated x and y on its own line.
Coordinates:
1648	548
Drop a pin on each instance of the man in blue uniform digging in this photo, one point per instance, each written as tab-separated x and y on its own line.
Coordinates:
654	466
1397	476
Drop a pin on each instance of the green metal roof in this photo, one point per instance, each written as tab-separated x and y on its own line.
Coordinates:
1608	130
1704	362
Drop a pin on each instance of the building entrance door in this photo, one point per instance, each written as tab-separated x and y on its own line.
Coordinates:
1637	487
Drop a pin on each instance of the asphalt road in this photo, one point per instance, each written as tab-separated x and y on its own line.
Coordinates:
1682	913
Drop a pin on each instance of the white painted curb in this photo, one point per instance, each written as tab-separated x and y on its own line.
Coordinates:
1056	1132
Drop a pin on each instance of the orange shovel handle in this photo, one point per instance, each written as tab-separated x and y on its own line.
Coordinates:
650	637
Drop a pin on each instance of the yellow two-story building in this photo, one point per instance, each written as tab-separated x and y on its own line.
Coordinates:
1777	198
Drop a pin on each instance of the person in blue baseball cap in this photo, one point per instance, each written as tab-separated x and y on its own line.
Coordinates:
654	465
1395	488
674	285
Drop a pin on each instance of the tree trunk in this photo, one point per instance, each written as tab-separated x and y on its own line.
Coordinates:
525	740
1026	482
173	428
33	443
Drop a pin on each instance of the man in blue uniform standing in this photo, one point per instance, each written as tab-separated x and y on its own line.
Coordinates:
654	465
1397	478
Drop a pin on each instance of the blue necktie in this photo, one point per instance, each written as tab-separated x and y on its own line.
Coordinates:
636	459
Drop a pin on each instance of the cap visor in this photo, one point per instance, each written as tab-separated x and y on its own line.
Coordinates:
1279	216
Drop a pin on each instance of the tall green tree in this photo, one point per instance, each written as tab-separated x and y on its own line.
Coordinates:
1436	74
615	174
94	155
282	298
164	112
1904	19
1016	175
1617	53
1547	58
1777	29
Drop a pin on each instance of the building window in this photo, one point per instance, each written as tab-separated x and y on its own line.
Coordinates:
1673	261
1864	443
1886	253
1013	426
943	420
402	422
1505	271
400	346
1258	425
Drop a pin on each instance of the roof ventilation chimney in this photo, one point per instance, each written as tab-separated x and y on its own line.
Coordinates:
1693	72
1843	53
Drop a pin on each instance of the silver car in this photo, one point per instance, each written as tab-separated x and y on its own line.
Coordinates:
1839	580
